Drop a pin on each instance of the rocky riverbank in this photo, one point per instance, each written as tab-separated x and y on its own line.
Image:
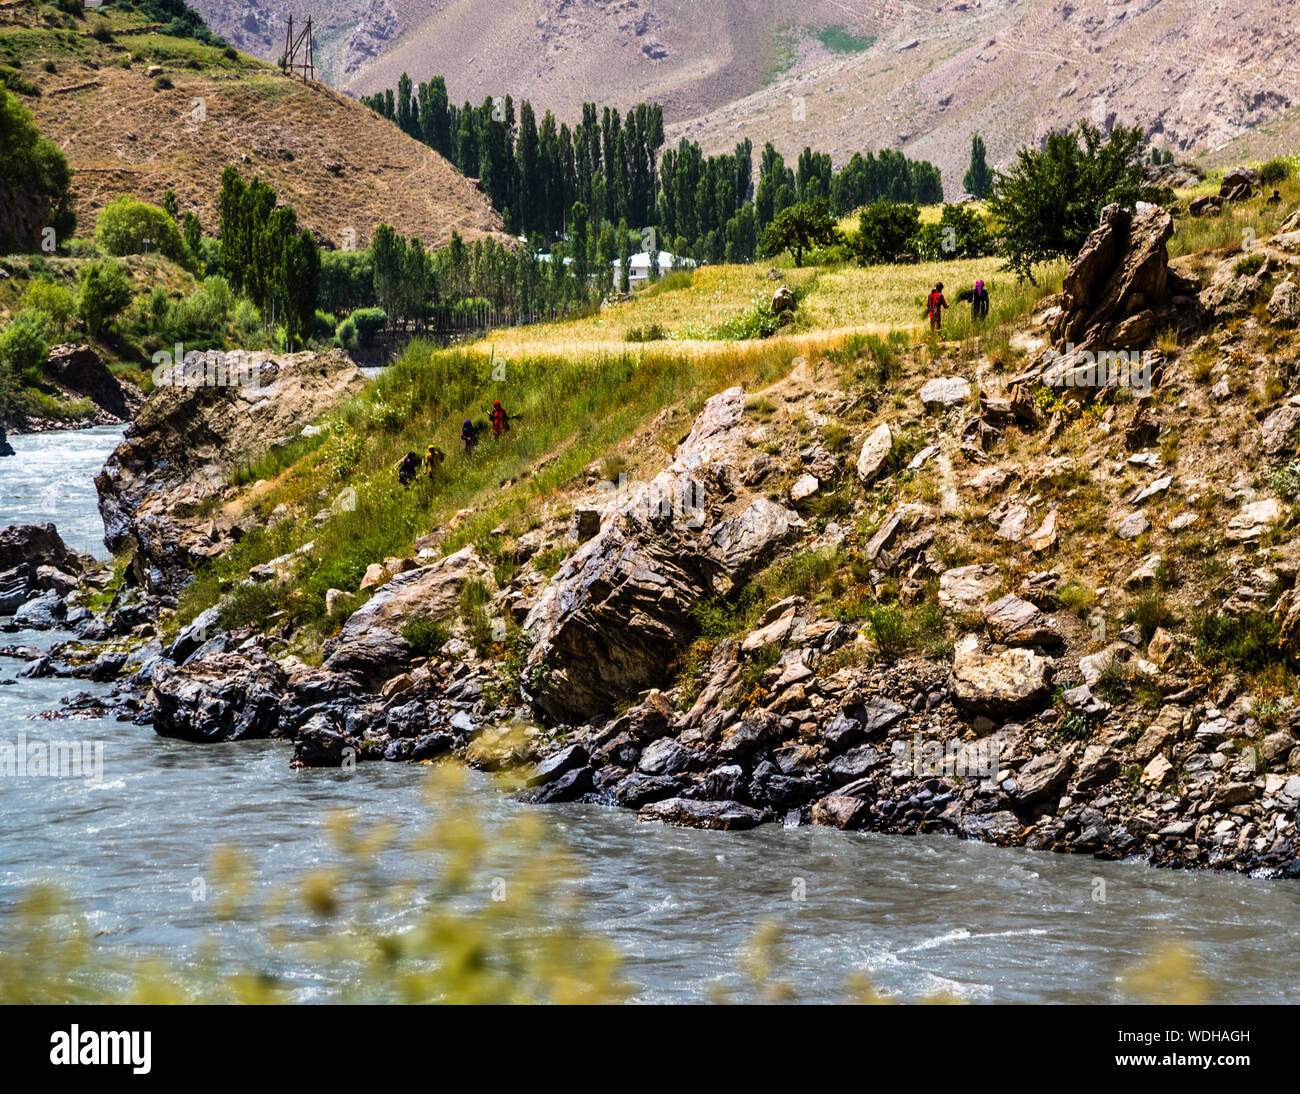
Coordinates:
77	373
1008	593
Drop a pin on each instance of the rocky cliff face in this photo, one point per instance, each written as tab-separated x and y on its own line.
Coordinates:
189	435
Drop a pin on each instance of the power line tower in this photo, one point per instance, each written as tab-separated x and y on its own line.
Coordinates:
298	56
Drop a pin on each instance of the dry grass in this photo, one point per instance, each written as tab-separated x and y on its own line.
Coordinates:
125	136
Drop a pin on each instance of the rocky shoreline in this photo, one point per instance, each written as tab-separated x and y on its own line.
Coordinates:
80	373
1029	729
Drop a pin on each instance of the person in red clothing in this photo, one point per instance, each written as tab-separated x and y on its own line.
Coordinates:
935	305
500	419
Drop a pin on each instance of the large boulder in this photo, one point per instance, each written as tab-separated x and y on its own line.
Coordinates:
187	438
620	609
36	545
371	645
223	697
81	370
1284	304
1119	289
1236	285
998	681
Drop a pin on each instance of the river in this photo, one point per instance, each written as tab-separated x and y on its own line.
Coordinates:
916	915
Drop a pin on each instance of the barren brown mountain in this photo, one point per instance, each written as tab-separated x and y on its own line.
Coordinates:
839	75
177	116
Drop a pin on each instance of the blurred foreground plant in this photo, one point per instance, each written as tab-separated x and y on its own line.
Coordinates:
497	922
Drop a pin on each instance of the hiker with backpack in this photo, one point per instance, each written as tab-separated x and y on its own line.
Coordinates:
408	468
979	302
935	304
469	435
433	458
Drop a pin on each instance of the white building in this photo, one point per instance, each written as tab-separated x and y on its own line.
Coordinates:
639	268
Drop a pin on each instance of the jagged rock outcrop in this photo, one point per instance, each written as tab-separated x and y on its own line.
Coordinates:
371	645
613	619
224	697
80	370
184	442
1119	290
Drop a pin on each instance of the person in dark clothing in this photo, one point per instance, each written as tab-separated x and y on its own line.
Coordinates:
469	435
500	419
979	302
935	304
408	468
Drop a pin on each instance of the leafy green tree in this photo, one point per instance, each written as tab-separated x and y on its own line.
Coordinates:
960	233
886	230
979	178
1050	201
32	172
300	286
103	291
624	257
24	343
128	226
799	228
170	205
578	244
387	253
192	233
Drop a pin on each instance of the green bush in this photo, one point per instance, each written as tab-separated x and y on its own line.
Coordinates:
103	291
885	231
24	342
16	82
323	326
198	318
52	299
346	335
1248	265
368	322
1248	642
1274	171
128	226
247	319
960	233
425	636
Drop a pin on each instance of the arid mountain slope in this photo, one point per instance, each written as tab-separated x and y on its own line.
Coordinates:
133	129
690	55
1196	75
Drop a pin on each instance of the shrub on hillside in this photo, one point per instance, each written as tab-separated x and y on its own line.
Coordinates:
52	300
24	344
1274	171
885	231
103	291
128	226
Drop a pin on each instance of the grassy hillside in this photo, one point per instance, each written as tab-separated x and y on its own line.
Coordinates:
141	112
592	403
